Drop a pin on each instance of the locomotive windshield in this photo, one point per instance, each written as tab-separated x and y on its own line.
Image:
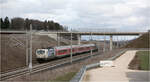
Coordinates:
40	52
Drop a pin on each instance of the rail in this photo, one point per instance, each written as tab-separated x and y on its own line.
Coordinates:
77	78
38	68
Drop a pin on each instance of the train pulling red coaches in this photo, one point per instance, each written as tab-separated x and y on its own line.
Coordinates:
61	51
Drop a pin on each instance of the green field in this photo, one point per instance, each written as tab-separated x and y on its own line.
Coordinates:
65	78
143	56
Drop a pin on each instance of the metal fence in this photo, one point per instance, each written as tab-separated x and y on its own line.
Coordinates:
79	76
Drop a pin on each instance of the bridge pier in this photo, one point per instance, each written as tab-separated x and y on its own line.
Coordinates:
58	40
140	35
79	39
111	42
124	41
104	49
117	42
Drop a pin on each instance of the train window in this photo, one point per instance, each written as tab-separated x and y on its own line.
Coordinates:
40	52
88	47
73	50
62	51
81	48
93	47
69	50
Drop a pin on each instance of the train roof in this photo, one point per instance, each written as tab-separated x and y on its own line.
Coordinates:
84	45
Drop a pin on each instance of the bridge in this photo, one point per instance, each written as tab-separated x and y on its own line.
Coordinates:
58	33
80	33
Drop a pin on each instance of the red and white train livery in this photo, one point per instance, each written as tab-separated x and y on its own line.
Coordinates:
53	52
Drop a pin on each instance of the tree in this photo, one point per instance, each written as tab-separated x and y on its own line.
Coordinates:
56	26
27	24
51	25
1	23
45	25
18	23
6	23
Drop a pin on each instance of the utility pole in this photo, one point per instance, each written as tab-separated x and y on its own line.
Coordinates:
111	42
58	39
27	55
30	62
71	47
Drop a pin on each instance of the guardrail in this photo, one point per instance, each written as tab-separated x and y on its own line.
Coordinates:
79	76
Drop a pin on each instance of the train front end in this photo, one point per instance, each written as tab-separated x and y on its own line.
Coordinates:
41	54
44	54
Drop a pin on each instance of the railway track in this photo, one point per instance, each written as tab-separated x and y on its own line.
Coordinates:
45	66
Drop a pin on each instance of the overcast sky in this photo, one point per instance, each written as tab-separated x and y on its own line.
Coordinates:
118	14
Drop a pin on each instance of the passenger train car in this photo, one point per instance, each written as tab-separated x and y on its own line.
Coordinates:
61	51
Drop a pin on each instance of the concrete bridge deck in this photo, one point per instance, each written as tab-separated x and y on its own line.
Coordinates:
80	33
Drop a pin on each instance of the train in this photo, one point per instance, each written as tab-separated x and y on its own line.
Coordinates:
61	51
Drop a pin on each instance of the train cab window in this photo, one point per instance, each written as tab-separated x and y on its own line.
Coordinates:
40	52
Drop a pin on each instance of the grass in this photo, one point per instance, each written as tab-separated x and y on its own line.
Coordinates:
143	56
65	78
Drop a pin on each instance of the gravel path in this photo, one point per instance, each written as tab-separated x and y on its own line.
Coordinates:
118	73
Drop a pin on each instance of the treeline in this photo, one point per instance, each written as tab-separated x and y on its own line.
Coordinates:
18	23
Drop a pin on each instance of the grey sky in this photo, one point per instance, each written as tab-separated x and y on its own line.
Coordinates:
122	14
